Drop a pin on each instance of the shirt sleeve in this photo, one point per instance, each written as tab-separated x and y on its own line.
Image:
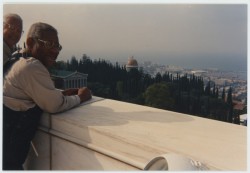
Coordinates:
38	85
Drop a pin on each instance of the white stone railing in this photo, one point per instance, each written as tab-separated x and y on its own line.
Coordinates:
104	134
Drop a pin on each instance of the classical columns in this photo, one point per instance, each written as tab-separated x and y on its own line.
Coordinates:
74	83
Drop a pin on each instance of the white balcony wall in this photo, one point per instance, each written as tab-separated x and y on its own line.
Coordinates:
104	134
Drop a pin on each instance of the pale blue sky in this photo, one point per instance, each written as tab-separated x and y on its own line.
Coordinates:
163	33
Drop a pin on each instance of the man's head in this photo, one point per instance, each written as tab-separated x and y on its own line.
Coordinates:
12	29
43	43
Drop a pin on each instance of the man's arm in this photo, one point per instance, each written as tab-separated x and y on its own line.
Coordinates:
70	92
36	82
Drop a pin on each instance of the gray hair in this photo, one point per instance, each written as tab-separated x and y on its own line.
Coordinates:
13	16
37	29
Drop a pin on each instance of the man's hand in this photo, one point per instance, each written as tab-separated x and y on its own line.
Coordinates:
70	92
84	94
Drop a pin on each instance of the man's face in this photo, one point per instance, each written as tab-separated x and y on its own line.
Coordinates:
46	49
12	31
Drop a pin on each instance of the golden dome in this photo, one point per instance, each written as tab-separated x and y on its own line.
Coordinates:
132	62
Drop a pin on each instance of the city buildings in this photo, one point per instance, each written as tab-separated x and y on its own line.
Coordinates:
222	79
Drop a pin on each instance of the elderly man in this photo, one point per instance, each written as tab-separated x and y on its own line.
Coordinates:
28	90
12	32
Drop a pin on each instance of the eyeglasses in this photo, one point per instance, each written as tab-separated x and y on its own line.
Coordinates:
13	28
51	45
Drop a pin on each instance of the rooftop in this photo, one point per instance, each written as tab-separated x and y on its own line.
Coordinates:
64	73
61	73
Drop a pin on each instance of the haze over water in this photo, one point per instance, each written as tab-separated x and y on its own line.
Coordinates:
188	35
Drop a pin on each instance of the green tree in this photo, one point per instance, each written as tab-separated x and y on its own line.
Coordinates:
217	93
158	78
230	105
223	96
73	63
119	88
207	89
159	95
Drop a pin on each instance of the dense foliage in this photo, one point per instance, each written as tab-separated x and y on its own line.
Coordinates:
185	94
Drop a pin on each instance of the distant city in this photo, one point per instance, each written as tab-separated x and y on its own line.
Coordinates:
223	79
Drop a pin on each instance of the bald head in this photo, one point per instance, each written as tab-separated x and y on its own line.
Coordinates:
11	16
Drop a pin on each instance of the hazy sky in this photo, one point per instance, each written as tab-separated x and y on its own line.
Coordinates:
164	33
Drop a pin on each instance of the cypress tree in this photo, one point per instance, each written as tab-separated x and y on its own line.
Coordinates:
207	89
217	93
223	96
214	94
230	105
